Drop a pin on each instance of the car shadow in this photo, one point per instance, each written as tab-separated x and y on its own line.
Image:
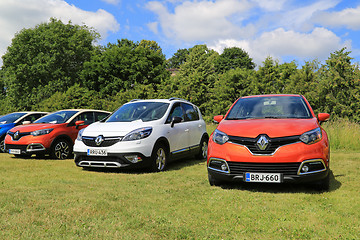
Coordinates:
282	188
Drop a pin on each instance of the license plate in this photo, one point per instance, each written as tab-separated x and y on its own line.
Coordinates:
14	151
96	152
263	177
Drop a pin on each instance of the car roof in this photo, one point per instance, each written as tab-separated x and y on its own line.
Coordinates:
173	99
273	95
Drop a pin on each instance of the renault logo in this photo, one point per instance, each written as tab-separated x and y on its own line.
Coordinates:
263	142
16	135
99	140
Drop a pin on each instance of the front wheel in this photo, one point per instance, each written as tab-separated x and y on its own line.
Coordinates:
2	145
213	181
61	149
202	154
159	158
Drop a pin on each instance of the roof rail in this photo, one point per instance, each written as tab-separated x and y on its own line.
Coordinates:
175	98
134	100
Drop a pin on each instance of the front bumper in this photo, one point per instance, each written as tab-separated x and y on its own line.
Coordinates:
112	160
32	148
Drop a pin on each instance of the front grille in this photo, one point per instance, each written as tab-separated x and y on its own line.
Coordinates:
274	143
108	141
13	146
20	135
284	168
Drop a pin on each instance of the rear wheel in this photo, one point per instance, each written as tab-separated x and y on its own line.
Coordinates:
159	158
61	149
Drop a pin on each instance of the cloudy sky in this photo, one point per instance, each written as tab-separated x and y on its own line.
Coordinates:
283	29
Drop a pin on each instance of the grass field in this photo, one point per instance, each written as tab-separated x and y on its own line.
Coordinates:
49	199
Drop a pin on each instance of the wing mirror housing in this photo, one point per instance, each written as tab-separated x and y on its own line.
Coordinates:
323	117
175	120
218	118
79	123
26	122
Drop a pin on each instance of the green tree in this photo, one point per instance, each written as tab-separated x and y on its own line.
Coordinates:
45	59
233	58
124	65
178	58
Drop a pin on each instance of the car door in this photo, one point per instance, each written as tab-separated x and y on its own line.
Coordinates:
178	135
194	124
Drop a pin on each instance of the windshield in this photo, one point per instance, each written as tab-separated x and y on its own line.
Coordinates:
57	117
146	111
269	107
10	118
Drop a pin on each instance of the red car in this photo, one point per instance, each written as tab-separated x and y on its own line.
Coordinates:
270	139
52	134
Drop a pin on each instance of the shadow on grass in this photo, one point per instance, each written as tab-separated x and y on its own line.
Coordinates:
283	188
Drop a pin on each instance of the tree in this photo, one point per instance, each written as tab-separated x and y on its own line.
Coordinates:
178	59
233	58
123	65
45	59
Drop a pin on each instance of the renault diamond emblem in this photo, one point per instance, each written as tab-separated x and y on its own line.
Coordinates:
263	142
16	135
99	140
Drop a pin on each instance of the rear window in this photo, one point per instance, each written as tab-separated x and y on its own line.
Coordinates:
269	107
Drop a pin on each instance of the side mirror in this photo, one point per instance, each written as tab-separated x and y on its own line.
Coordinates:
323	117
26	122
218	118
79	123
175	120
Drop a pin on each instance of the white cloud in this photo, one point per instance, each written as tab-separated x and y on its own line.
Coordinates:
113	2
16	15
270	5
207	20
280	43
349	18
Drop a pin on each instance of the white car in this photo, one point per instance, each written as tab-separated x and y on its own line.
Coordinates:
143	133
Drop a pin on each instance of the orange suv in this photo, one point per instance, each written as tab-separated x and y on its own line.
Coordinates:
52	134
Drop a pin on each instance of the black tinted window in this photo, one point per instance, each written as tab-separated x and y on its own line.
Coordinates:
190	113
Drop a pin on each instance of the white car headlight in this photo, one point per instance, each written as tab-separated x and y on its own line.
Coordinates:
137	134
41	132
312	136
220	137
80	133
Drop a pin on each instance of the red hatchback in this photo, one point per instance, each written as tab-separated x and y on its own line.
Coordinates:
52	134
270	139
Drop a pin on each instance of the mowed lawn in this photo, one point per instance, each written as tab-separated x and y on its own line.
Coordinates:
52	199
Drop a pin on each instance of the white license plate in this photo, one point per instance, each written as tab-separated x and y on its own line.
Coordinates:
14	151
263	177
96	152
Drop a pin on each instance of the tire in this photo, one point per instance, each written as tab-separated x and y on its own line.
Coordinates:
61	149
203	149
159	158
213	181
2	145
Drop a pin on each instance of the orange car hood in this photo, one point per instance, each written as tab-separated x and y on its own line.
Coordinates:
36	126
272	127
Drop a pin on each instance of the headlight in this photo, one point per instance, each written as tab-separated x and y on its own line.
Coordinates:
312	136
41	132
79	136
138	134
220	137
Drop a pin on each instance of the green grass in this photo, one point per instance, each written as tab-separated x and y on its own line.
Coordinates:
55	200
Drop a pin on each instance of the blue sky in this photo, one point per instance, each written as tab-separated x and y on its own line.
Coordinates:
286	30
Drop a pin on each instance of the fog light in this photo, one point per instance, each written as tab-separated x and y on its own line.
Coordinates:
133	158
224	167
305	169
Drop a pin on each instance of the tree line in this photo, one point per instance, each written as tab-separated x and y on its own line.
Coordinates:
56	66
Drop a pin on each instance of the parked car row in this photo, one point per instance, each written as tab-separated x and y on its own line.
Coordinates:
264	138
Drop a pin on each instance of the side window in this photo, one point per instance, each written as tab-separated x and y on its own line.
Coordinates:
190	112
87	117
31	117
100	116
176	111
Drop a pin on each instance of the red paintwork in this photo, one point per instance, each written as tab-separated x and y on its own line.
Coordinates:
252	128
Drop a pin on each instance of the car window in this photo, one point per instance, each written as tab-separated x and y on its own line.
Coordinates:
269	107
32	117
57	117
190	113
144	111
100	116
87	117
10	118
176	111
